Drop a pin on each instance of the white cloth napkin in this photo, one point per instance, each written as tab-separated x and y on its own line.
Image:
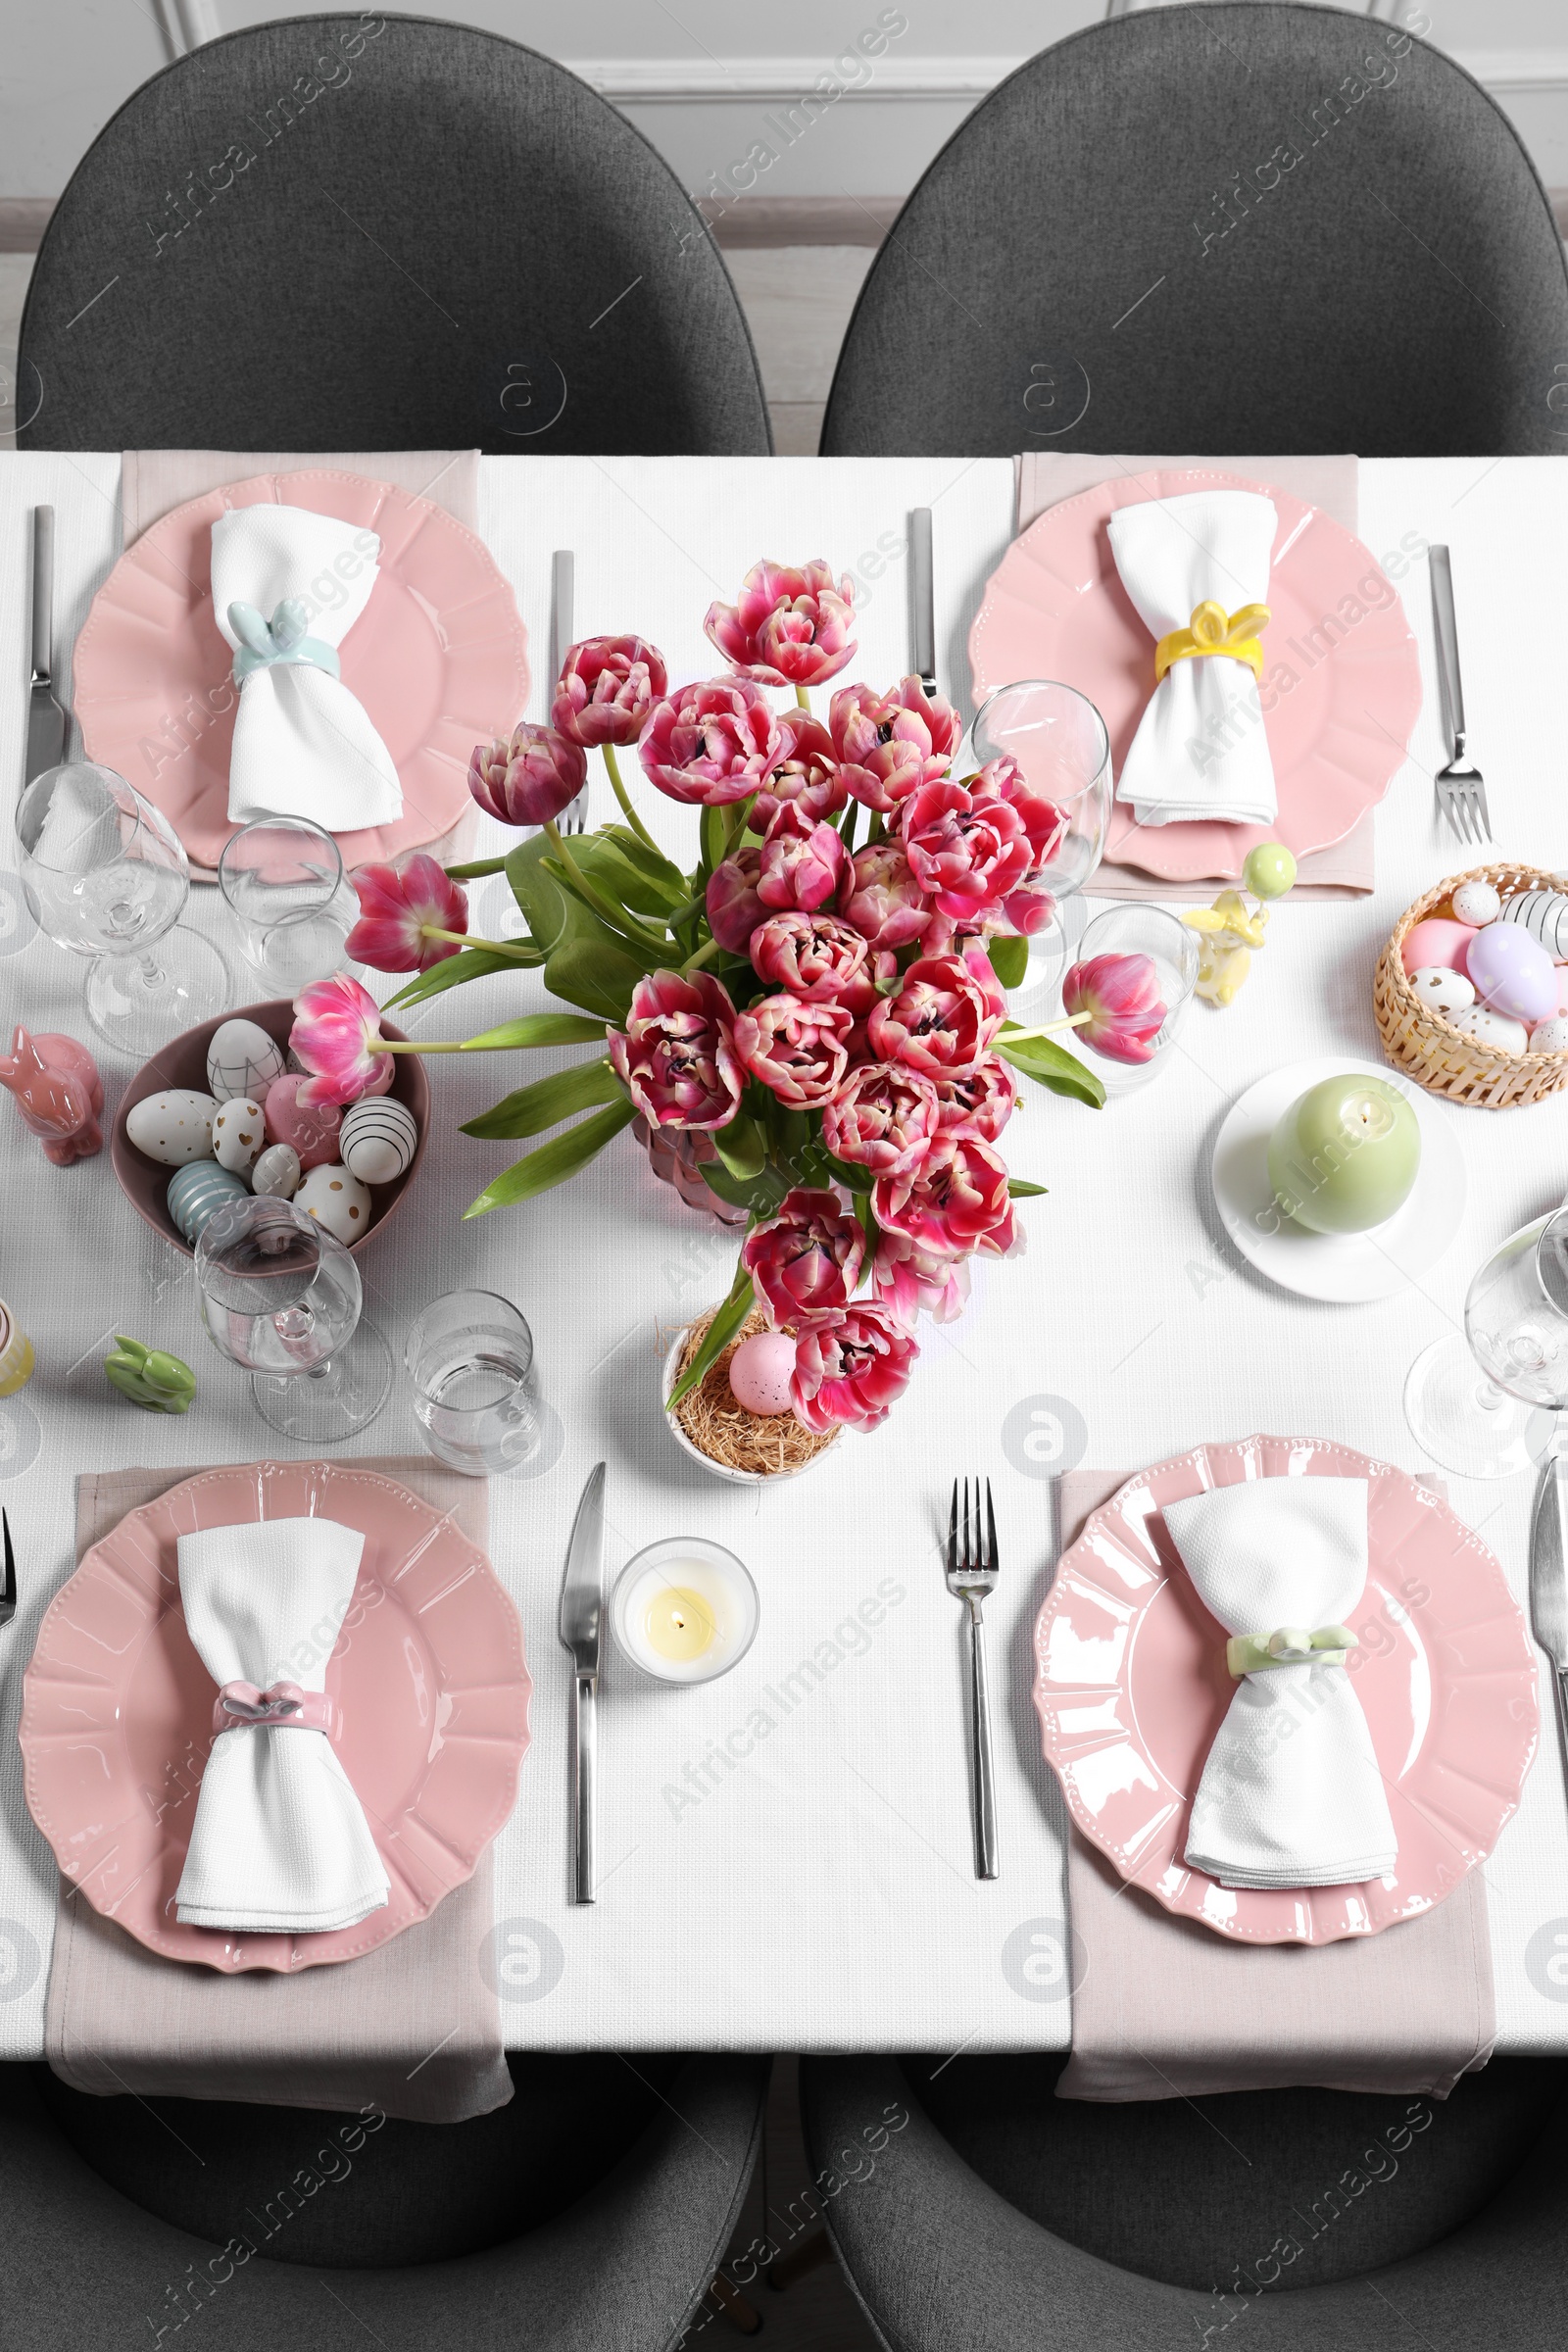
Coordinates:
1291	1793
303	745
280	1843
1201	753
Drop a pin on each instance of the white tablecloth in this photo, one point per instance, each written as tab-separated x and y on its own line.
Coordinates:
785	1854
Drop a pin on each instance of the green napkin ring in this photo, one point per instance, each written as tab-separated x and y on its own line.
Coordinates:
1287	1645
263	644
158	1382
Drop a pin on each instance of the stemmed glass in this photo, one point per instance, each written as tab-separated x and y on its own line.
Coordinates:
1478	1405
283	877
106	877
1059	742
281	1296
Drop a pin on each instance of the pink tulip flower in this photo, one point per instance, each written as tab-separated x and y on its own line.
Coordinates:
911	1282
880	898
979	1104
798	869
965	854
799	1051
529	779
712	743
733	906
851	1368
606	688
889	745
338	1036
399	909
883	1119
953	1200
807	1259
677	1055
807	779
943	1017
812	956
1122	994
789	627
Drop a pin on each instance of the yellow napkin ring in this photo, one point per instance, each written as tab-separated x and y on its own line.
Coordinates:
1213	630
1287	1645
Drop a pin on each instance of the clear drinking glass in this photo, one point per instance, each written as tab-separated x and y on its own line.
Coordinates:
1481	1405
1172	948
281	1296
1059	742
107	877
471	1360
283	877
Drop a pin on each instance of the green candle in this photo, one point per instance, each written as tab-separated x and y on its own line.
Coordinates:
1344	1156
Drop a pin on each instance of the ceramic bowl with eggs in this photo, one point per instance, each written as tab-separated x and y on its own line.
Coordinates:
186	1145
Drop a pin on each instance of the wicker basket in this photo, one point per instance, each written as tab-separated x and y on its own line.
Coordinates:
1430	1049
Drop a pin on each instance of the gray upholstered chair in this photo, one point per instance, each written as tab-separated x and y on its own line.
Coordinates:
588	2216
1307	2221
314	235
1218	228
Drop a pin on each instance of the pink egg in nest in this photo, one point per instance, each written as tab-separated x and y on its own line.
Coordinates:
760	1373
1437	941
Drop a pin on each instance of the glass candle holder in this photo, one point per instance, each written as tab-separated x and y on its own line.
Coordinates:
1172	948
684	1610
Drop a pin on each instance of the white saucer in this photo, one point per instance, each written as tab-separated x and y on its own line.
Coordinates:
1346	1269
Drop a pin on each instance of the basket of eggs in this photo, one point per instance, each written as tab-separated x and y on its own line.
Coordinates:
1471	992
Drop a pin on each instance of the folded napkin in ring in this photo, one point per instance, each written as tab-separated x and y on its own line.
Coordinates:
1291	1793
1197	570
303	745
281	1844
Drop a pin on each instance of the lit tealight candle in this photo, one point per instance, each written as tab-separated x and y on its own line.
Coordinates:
684	1610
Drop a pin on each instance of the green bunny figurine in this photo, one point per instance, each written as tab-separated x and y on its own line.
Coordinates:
158	1382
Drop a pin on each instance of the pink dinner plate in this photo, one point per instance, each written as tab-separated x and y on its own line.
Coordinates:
438	657
428	1675
1131	1685
1056	608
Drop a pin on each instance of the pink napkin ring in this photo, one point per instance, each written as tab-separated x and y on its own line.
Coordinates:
283	1707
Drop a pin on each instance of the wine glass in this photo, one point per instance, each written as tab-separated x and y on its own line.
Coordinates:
281	1296
1059	742
283	877
1481	1404
106	876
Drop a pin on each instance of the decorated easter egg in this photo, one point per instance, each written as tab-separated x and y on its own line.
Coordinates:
311	1128
278	1171
336	1200
760	1373
1437	941
1544	913
242	1060
1550	1037
173	1128
1476	902
379	1139
1443	990
239	1133
1512	973
1493	1029
197	1192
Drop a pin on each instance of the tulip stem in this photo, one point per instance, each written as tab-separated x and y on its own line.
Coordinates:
803	697
616	916
1021	1037
476	871
522	952
704	954
624	798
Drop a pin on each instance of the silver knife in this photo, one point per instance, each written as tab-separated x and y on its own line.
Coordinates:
1548	1581
46	721
922	597
582	1609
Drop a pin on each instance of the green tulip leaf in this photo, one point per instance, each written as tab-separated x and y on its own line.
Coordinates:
1021	1189
537	1029
718	1335
742	1146
548	1100
1009	960
554	1162
1052	1065
599	973
649	862
472	964
761	1193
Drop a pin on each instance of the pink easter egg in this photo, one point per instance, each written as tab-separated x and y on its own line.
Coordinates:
760	1373
1513	974
1437	941
311	1128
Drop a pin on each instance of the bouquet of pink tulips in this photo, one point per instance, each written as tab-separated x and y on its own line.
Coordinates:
825	1018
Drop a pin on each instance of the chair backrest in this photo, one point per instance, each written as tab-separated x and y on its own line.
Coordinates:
378	232
1218	228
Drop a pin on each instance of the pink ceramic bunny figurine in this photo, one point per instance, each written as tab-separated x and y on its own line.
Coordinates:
59	1093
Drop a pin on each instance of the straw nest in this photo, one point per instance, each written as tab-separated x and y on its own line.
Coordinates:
724	1429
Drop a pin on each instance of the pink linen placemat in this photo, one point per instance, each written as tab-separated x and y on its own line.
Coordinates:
1044	478
1167	2009
411	2028
152	482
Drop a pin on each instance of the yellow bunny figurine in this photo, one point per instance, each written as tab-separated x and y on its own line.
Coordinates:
1230	930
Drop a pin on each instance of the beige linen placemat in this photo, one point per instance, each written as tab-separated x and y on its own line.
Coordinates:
411	2028
1044	478
152	482
1167	2009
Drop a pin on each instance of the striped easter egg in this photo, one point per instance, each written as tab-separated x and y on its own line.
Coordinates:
377	1140
198	1192
1544	915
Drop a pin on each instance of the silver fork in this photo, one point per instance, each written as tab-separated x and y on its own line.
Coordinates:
1461	787
971	1574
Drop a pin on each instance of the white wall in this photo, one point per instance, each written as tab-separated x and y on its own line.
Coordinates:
699	81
